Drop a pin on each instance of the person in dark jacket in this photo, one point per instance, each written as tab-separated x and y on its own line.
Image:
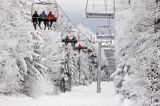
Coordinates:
35	17
43	17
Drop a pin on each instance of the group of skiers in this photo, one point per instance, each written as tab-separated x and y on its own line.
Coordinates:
43	17
67	40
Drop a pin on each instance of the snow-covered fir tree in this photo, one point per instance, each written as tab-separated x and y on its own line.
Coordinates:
32	62
137	73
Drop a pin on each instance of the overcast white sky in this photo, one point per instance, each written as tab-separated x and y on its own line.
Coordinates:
75	9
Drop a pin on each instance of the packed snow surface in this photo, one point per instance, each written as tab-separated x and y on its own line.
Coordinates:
79	96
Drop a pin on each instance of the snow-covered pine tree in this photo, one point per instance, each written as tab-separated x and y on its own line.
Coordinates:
21	60
137	72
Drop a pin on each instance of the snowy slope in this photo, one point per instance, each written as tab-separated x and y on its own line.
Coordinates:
80	96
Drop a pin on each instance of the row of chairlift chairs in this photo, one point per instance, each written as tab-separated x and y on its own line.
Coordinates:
71	37
66	35
102	9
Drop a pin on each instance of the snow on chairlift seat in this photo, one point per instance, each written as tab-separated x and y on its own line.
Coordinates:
100	9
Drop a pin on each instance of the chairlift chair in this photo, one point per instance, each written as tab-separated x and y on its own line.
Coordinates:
107	42
45	6
109	54
73	41
93	56
100	9
69	36
69	31
109	50
80	47
107	46
87	50
104	32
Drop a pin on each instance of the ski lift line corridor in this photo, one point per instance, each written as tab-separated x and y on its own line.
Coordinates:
100	9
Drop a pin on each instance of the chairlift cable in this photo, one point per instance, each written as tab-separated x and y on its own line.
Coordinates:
93	4
67	17
105	3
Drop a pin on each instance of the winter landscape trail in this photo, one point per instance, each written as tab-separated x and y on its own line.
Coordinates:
79	96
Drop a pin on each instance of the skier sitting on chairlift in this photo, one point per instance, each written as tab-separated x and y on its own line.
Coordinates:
43	17
79	48
66	40
35	20
51	18
74	41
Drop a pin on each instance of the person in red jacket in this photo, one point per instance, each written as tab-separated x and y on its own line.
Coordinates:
51	18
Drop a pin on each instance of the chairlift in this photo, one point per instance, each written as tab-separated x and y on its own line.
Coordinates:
45	6
69	36
92	56
105	32
109	43
80	47
107	46
109	54
87	50
111	59
67	40
109	50
69	31
100	9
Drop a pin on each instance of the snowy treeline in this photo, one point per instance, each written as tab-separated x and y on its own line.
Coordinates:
137	76
33	62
